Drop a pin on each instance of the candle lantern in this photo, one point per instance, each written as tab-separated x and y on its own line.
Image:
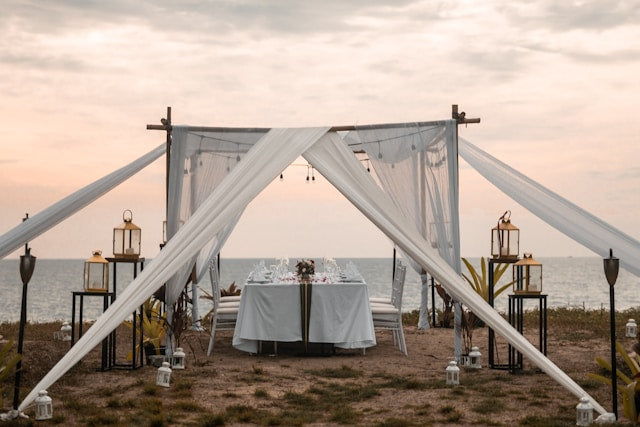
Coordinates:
66	331
631	329
584	412
164	375
96	273
453	373
527	276
178	359
475	358
505	239
44	406
126	238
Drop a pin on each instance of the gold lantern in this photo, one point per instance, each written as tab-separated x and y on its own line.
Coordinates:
527	276
505	239
96	273
126	238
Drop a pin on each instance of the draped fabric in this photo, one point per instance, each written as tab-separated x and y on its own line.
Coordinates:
555	210
256	170
416	165
338	165
200	160
270	155
59	211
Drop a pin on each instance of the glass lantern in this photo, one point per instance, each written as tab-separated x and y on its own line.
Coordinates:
453	373
505	239
631	329
44	406
164	375
126	238
527	276
475	358
96	273
66	331
584	412
178	359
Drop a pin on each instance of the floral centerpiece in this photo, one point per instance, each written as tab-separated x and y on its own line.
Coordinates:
305	269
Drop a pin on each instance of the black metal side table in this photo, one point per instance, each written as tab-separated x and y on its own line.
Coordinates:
107	297
516	311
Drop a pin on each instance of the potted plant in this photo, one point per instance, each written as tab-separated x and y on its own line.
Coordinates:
154	328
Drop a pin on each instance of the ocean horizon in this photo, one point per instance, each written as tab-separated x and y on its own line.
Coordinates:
568	282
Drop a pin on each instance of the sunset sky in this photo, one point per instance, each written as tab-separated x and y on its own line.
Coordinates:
556	85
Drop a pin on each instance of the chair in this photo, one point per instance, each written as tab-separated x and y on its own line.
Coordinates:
388	316
224	313
387	300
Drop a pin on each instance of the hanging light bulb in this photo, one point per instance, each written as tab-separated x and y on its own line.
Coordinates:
238	158
368	168
313	176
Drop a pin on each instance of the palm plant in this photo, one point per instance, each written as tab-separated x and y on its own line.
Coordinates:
8	361
631	390
480	282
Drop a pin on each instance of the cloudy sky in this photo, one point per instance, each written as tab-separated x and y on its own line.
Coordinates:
555	83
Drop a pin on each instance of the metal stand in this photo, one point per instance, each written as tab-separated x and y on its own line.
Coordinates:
515	318
137	342
492	337
106	298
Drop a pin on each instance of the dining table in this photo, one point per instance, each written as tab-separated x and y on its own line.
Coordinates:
337	312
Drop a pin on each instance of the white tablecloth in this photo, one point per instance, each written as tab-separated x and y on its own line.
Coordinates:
340	314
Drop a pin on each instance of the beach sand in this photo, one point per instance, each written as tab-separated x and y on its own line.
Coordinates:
381	387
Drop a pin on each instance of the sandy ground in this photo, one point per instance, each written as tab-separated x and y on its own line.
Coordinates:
407	390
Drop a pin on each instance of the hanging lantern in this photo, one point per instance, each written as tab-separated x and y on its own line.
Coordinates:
584	412
505	239
66	331
44	406
96	273
164	375
631	329
164	233
527	276
453	373
126	238
475	358
178	359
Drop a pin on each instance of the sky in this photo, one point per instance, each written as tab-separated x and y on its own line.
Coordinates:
555	85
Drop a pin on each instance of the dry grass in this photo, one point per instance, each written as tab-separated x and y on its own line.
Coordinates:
382	388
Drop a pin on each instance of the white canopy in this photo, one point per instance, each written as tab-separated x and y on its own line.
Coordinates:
274	150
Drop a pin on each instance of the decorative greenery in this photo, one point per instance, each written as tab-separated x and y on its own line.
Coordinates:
154	325
631	390
447	306
8	361
480	282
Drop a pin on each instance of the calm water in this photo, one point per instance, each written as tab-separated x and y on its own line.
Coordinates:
576	282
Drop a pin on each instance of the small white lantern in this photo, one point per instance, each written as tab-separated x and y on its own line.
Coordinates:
453	373
44	406
178	359
632	328
475	358
66	331
126	238
96	273
584	412
164	375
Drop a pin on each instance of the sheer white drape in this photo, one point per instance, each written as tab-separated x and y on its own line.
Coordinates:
555	210
417	167
338	165
256	170
59	211
200	160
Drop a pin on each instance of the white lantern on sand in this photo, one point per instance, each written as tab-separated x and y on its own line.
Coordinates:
44	406
631	329
584	412
475	358
178	359
164	375
66	331
453	373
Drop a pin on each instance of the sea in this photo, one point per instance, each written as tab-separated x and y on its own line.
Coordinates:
577	282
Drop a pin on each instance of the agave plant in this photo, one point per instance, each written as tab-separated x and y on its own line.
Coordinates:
480	282
631	390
